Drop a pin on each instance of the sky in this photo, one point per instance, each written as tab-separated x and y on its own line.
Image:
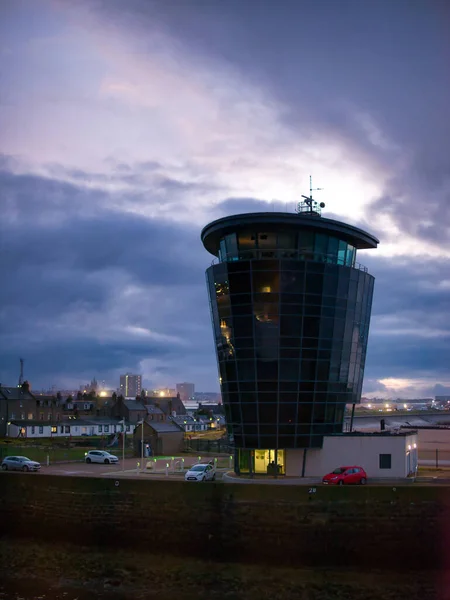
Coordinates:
125	127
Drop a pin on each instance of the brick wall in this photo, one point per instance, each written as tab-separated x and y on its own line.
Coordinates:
371	527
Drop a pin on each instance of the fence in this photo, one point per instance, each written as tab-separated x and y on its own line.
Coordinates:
434	457
178	464
221	446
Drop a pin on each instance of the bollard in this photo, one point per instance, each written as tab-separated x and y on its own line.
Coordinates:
199	459
231	462
48	460
138	464
167	469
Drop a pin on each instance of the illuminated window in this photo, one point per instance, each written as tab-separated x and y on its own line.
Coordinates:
54	429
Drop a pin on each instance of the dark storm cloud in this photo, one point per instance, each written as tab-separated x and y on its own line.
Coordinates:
102	239
63	265
410	334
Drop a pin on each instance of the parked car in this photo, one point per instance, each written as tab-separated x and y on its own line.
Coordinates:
201	472
346	476
100	456
20	463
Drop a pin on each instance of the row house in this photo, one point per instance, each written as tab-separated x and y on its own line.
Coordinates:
15	402
102	426
170	406
190	424
130	410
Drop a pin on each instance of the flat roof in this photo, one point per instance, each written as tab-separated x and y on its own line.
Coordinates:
411	431
276	221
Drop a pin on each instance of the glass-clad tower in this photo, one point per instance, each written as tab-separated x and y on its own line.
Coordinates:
290	309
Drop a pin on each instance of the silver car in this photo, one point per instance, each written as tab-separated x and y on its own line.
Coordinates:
100	456
20	463
201	472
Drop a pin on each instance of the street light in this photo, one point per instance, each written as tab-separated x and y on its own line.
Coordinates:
122	422
142	441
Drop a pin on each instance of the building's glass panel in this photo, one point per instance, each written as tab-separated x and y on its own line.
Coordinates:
351	253
247	245
244	460
287	242
320	247
342	251
332	249
306	244
239	283
231	246
267	240
222	251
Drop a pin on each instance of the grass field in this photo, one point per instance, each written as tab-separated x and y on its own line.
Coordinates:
55	454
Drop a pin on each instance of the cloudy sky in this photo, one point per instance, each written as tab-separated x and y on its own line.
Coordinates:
126	126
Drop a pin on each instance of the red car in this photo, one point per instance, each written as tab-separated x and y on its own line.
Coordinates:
346	476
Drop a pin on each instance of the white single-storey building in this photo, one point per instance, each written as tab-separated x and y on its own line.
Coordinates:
102	426
381	455
189	424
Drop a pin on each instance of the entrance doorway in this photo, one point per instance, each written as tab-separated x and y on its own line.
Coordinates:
260	462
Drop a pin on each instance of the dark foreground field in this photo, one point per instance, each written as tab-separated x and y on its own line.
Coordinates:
32	570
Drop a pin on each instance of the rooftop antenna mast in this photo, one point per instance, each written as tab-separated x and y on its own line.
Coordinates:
21	372
310	205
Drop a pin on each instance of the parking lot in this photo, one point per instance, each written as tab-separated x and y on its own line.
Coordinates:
129	469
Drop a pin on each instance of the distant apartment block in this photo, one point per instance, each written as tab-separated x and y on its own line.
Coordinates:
186	391
130	385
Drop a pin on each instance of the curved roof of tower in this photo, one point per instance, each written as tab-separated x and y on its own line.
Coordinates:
276	221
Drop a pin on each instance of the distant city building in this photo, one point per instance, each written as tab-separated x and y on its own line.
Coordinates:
186	390
89	387
213	397
130	385
163	392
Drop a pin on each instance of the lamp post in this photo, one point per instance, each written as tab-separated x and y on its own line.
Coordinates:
142	443
123	443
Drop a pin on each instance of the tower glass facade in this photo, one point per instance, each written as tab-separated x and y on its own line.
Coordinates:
290	309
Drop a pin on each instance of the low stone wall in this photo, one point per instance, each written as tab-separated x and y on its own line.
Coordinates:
403	528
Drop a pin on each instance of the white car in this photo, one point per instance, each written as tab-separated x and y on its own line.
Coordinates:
19	463
100	456
201	472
